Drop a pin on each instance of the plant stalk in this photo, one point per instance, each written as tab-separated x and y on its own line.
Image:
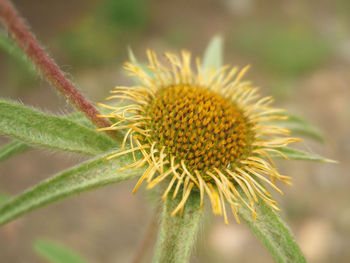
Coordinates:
178	233
48	68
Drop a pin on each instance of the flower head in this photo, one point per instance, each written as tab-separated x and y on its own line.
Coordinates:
205	131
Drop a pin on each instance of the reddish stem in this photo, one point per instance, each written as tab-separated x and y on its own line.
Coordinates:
27	42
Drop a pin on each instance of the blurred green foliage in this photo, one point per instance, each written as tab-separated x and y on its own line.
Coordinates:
56	253
343	8
286	50
128	15
10	47
4	197
88	44
96	37
17	64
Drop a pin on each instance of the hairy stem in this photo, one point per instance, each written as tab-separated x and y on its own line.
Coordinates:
30	46
178	233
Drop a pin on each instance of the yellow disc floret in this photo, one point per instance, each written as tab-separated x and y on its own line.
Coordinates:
199	126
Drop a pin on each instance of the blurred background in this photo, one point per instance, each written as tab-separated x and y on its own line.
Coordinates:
300	53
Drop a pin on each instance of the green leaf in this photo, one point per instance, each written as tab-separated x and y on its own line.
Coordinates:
12	49
16	147
79	118
87	176
178	233
56	253
295	154
300	126
37	128
213	55
270	229
12	148
4	197
131	55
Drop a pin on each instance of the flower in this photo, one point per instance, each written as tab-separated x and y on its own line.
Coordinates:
205	131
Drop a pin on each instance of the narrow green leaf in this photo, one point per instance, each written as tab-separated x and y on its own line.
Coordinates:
56	253
131	55
37	128
12	49
213	55
16	147
302	127
12	148
270	229
84	177
79	118
4	197
178	233
295	154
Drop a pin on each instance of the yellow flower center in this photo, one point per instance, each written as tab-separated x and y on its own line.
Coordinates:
200	127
